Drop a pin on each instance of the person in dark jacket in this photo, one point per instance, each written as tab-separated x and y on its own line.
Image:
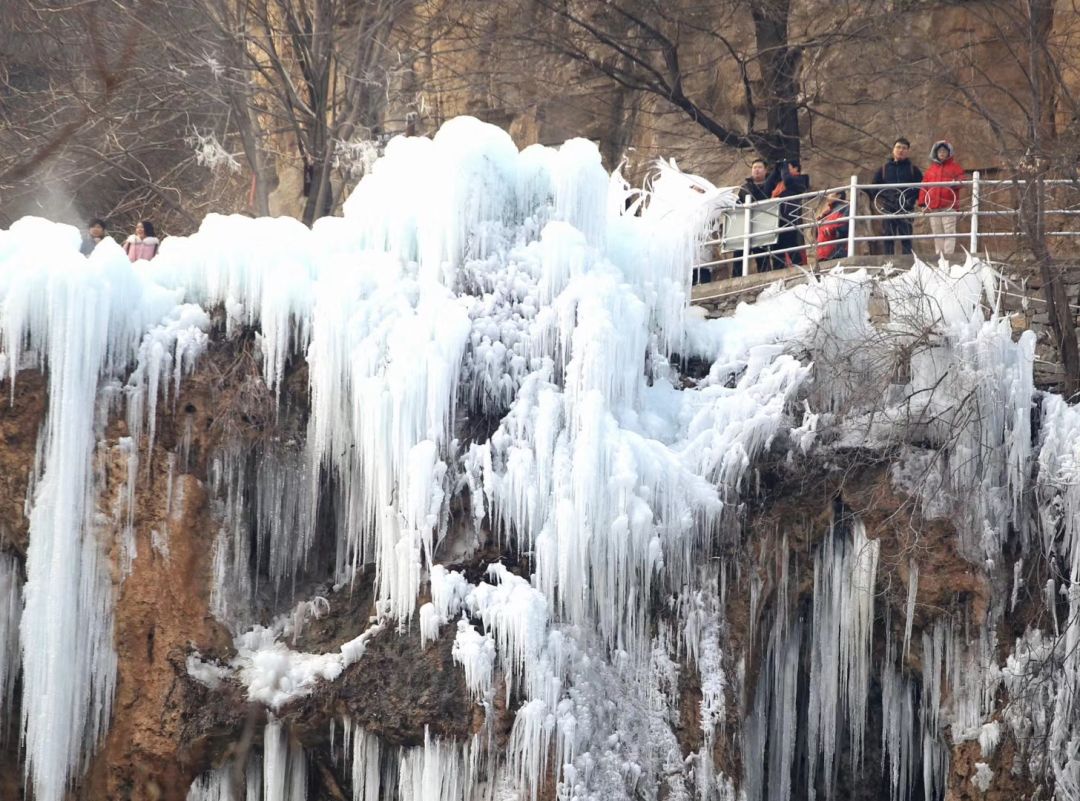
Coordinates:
755	189
900	200
95	232
788	181
832	227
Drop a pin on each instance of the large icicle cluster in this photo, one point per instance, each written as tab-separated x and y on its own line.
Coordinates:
81	319
506	324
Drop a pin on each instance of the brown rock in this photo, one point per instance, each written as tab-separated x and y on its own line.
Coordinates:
21	414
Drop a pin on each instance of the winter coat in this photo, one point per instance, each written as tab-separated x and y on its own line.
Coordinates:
892	201
784	184
937	198
755	191
141	248
832	232
88	244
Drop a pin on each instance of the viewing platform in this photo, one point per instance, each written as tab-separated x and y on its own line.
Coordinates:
998	219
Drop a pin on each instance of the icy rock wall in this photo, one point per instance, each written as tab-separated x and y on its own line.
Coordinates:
374	302
534	292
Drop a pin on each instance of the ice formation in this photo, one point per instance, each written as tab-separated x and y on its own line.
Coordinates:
539	298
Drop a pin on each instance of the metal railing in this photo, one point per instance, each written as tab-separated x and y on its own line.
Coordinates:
992	209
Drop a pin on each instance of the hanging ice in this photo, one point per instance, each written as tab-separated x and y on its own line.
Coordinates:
491	322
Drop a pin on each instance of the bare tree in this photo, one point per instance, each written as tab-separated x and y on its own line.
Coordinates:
118	107
298	79
1034	124
89	124
655	48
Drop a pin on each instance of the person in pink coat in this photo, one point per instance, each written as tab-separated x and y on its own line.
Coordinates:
942	202
142	244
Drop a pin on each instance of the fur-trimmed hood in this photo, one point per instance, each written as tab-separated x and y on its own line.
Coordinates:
943	143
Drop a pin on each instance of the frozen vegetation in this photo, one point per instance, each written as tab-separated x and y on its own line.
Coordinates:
467	279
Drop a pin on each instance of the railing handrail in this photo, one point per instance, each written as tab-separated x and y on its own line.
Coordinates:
748	201
964	206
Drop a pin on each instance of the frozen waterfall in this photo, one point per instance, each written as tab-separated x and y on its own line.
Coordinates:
467	278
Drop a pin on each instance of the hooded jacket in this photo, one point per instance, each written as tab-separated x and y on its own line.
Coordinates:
940	198
832	231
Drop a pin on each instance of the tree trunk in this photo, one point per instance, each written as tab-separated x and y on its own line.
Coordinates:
1041	132
1057	303
779	69
248	127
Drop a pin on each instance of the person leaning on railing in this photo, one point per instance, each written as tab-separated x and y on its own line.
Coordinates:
832	227
757	187
942	202
898	201
792	182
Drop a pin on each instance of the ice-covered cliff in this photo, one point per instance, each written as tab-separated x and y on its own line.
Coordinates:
453	498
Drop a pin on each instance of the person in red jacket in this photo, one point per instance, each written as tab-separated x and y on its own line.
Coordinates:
832	227
942	203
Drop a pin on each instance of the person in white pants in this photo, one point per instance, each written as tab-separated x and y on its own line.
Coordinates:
942	201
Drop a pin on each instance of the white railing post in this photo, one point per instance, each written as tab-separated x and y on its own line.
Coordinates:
746	235
853	203
973	244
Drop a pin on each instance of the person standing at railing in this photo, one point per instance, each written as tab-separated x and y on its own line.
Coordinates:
942	202
755	188
791	182
898	202
832	227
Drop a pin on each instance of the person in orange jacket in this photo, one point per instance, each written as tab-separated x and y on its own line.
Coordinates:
832	227
787	181
942	202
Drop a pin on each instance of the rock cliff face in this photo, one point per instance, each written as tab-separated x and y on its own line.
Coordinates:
868	71
925	70
168	728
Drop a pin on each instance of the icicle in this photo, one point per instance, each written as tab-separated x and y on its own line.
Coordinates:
989	737
899	737
125	511
476	653
69	666
1017	583
365	767
216	785
253	779
436	771
1050	599
11	601
284	765
772	721
844	586
909	607
783	722
933	659
297	790
275	762
935	759
528	746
